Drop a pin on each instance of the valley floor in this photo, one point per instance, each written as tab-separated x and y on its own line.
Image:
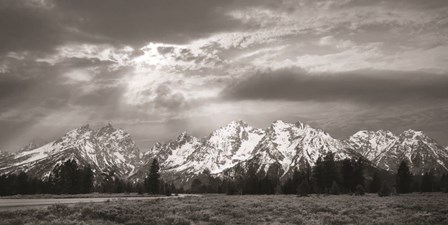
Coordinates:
221	209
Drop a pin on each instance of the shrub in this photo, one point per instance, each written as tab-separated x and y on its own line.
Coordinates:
359	190
59	210
385	191
176	220
87	212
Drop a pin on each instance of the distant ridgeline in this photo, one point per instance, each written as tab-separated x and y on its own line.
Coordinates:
237	158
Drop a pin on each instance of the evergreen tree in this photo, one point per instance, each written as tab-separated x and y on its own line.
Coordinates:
152	181
267	186
347	175
416	187
444	183
140	188
71	177
22	183
318	176
251	184
168	189
385	191
403	178
359	190
229	187
295	181
358	173
329	171
197	186
304	188
65	178
3	185
86	184
427	182
108	183
375	185
334	189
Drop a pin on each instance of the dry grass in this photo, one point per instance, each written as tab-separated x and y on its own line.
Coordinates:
221	209
90	195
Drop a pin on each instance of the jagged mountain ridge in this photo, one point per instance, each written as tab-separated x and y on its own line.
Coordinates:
371	144
296	146
29	146
104	150
386	150
283	146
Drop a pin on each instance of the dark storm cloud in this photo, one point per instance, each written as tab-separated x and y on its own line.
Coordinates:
141	21
31	28
26	82
24	27
29	88
359	86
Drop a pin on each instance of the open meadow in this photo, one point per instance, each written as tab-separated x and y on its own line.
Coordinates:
249	209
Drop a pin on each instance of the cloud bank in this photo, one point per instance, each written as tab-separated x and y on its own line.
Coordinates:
158	67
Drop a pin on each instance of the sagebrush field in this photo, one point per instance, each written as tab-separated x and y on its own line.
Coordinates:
263	209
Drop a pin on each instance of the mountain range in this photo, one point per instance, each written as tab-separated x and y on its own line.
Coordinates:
281	147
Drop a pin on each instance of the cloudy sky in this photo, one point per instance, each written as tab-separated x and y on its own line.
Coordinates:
158	67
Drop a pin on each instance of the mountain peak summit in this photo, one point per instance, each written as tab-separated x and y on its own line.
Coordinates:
108	129
85	127
236	123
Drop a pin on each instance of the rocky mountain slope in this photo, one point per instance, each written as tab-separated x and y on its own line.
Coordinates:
371	144
282	146
422	152
386	150
105	150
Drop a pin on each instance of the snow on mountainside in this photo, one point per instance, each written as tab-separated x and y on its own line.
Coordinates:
284	145
386	150
420	151
297	145
106	149
175	153
223	149
280	148
371	144
29	146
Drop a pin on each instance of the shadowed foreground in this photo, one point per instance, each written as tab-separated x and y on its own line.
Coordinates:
222	209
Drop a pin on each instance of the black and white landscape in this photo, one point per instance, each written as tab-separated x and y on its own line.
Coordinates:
287	146
223	111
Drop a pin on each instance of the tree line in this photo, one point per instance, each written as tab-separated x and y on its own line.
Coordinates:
67	178
71	178
327	176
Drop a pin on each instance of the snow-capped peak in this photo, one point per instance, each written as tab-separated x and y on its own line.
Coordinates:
419	150
371	144
105	130
296	145
280	124
106	149
184	136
